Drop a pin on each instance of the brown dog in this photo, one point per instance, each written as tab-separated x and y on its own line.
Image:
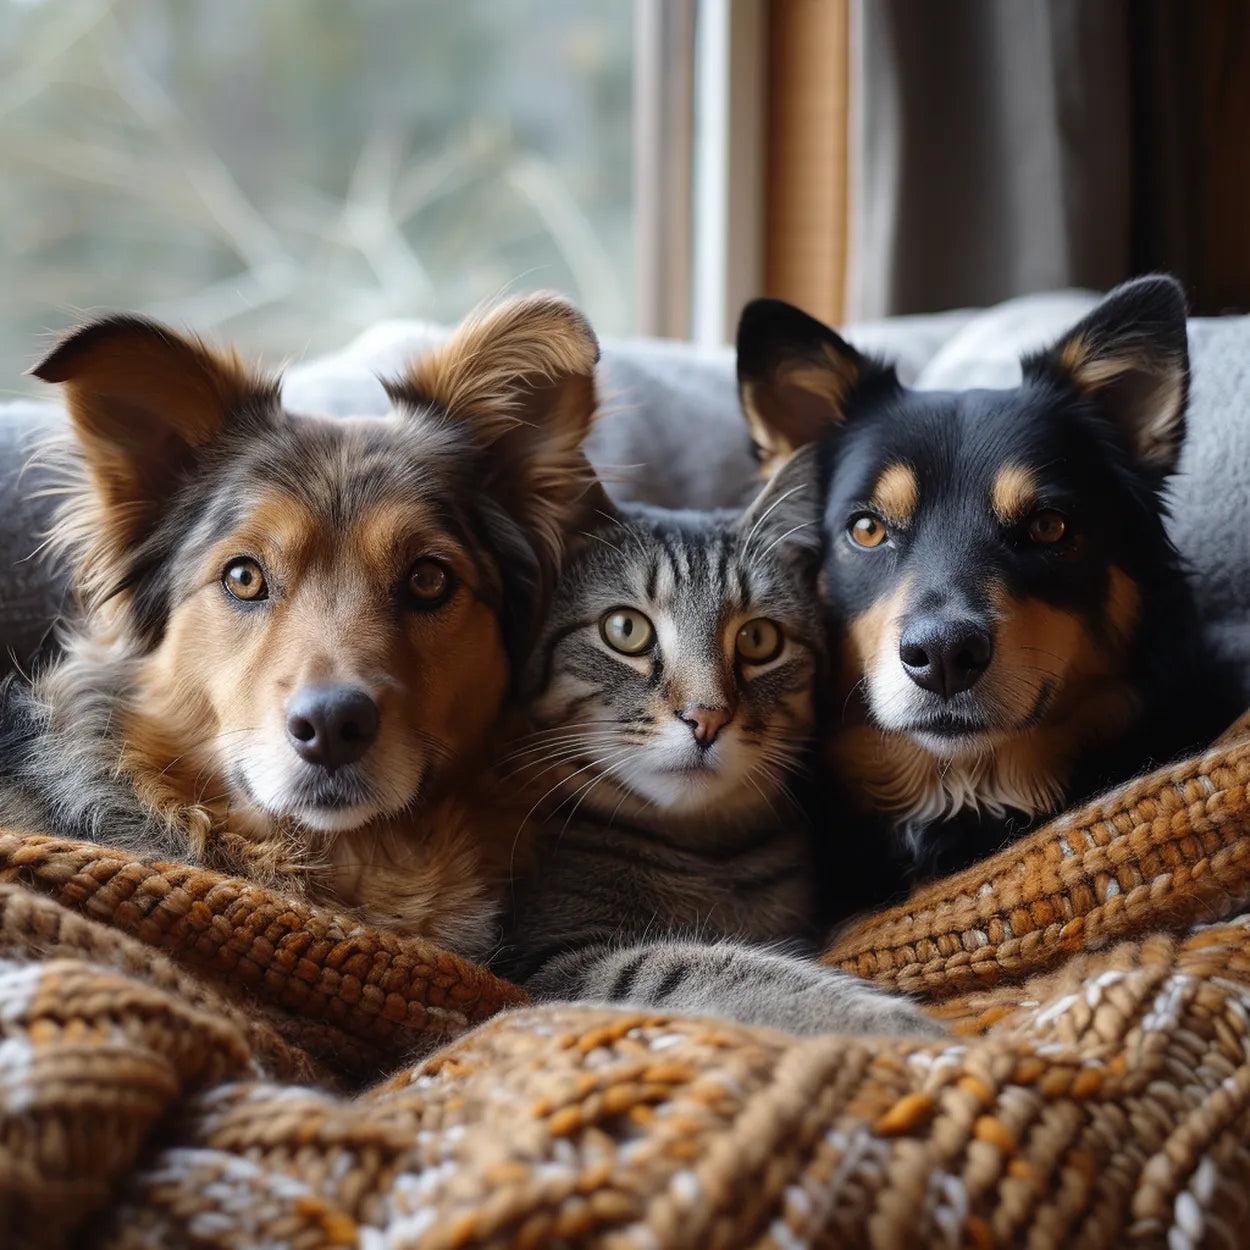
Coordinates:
297	635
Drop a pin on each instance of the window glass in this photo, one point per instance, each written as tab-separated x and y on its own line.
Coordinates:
287	172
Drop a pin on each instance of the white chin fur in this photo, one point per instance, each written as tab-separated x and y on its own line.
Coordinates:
945	747
333	819
319	819
676	790
269	785
896	703
716	785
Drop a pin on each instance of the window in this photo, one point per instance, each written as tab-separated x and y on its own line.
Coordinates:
289	172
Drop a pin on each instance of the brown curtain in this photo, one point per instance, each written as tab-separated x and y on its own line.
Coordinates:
1002	147
806	134
1190	76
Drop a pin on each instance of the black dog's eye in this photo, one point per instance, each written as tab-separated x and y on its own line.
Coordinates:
866	530
244	579
429	583
1047	527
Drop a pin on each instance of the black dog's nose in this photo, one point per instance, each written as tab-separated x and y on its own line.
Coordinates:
331	725
945	656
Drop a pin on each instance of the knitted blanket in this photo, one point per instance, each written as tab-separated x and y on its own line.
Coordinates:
188	1060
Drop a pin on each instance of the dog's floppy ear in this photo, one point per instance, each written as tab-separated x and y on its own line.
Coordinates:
142	401
789	511
1130	358
796	378
520	379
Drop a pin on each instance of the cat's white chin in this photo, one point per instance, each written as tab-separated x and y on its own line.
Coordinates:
692	782
679	787
704	793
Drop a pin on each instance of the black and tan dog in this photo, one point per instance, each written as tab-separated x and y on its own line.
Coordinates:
297	635
1015	629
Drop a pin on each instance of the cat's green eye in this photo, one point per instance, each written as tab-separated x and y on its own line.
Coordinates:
759	641
627	630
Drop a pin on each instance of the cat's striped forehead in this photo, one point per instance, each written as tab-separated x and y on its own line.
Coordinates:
701	564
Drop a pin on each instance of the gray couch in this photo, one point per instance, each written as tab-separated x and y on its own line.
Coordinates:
671	433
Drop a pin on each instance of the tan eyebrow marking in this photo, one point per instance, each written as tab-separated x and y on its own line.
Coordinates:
1013	494
896	494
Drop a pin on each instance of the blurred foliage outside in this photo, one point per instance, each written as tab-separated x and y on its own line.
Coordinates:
284	173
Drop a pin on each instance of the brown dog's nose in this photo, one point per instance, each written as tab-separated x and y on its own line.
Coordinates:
705	722
331	725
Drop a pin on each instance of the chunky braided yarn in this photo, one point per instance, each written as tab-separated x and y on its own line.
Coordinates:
1169	847
181	1057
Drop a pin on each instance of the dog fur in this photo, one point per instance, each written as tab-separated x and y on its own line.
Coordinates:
1014	627
406	558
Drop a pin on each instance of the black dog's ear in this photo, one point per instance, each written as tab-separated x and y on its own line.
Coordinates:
790	509
795	377
1130	357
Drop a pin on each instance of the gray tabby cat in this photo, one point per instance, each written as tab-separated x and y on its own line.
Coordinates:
673	706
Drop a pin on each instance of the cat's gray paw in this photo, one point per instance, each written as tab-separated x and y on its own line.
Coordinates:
840	1003
878	1011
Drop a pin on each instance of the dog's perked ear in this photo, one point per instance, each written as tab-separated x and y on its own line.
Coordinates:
520	377
788	512
1130	358
143	400
796	378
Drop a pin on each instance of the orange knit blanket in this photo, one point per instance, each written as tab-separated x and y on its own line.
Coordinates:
188	1060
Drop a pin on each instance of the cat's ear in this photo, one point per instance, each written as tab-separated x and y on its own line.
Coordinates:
796	378
1130	359
594	519
519	379
789	512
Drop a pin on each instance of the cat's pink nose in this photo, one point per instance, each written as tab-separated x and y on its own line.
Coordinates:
705	722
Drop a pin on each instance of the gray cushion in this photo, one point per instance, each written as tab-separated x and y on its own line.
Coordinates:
671	433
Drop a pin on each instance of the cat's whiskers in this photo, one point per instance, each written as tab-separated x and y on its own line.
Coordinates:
604	541
525	820
749	777
774	779
565	780
763	555
558	744
628	782
547	763
776	503
540	736
584	791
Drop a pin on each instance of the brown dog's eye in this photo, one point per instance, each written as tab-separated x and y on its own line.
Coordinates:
1047	527
244	579
429	583
866	530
